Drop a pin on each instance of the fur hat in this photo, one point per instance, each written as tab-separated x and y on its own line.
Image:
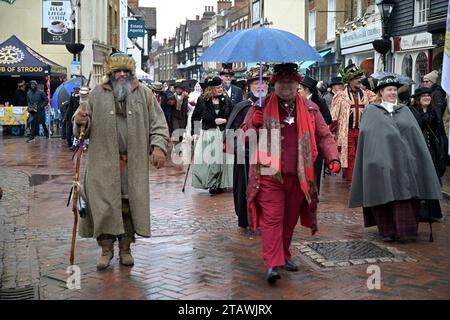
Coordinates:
119	61
433	76
286	71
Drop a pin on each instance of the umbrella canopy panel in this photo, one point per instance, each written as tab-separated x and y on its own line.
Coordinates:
63	92
260	45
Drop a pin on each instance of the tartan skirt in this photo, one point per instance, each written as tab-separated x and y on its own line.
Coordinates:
397	219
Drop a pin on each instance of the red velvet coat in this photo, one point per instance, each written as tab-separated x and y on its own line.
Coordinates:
327	146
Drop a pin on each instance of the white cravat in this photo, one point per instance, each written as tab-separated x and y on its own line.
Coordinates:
388	106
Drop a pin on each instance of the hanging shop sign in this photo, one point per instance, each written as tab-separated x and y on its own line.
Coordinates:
362	35
56	26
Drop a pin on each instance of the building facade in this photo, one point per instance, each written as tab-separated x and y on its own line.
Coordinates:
188	49
417	43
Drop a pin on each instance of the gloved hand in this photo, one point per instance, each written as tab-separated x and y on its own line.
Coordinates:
258	119
334	166
157	158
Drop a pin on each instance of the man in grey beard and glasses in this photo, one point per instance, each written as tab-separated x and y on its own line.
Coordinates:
124	122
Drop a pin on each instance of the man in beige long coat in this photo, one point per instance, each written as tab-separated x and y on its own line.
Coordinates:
347	107
124	123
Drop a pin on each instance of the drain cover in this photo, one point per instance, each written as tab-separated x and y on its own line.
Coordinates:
27	293
349	252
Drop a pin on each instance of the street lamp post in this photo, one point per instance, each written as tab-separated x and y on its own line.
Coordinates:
385	7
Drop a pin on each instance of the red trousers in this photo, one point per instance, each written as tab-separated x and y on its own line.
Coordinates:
353	135
279	206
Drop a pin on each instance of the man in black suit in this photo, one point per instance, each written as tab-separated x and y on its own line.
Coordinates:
233	92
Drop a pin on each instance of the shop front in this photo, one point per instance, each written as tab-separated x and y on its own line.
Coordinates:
413	55
356	47
18	62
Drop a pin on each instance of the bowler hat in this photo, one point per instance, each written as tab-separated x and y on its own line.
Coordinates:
310	83
420	91
336	80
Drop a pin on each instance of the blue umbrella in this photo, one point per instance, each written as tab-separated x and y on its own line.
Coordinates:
260	45
63	92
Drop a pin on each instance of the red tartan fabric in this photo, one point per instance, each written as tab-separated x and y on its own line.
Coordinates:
397	219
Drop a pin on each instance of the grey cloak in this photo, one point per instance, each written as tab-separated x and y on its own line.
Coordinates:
392	160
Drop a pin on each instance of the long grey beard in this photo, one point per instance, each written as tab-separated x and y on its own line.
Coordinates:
121	90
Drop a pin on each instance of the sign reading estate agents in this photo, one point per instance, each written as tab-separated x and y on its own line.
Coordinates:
56	23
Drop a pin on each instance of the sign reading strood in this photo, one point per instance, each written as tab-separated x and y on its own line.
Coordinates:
136	28
362	35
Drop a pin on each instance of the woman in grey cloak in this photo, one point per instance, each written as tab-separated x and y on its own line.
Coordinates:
393	168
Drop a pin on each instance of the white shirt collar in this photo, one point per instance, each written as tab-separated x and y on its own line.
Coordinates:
309	97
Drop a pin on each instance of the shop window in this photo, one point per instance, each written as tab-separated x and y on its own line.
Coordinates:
421	9
437	62
421	67
312	28
407	64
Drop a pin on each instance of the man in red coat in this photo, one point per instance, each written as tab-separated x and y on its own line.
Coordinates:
277	200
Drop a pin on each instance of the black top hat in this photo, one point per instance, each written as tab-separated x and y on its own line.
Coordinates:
386	82
179	85
227	68
214	82
336	80
420	91
310	83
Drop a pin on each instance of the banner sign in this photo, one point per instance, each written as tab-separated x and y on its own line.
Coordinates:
56	26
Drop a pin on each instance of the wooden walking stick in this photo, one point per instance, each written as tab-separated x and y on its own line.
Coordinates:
84	94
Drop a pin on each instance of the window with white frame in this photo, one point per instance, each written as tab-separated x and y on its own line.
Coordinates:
421	8
312	28
331	20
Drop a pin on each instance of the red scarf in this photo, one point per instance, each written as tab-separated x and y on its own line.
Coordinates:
307	148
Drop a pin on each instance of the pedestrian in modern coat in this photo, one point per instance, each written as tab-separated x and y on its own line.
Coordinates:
281	186
72	106
438	95
336	85
393	167
124	123
37	100
21	94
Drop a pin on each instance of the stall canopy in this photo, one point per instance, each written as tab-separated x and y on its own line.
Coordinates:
18	59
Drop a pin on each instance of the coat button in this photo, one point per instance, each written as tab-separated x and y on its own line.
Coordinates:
111	112
129	112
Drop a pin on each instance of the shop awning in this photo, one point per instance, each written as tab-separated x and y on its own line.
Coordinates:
306	64
17	59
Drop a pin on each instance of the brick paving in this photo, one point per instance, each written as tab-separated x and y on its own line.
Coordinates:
196	250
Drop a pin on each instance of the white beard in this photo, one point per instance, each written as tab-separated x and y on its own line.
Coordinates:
121	90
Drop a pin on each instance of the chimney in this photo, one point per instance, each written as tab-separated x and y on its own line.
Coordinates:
223	5
165	42
133	3
197	17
